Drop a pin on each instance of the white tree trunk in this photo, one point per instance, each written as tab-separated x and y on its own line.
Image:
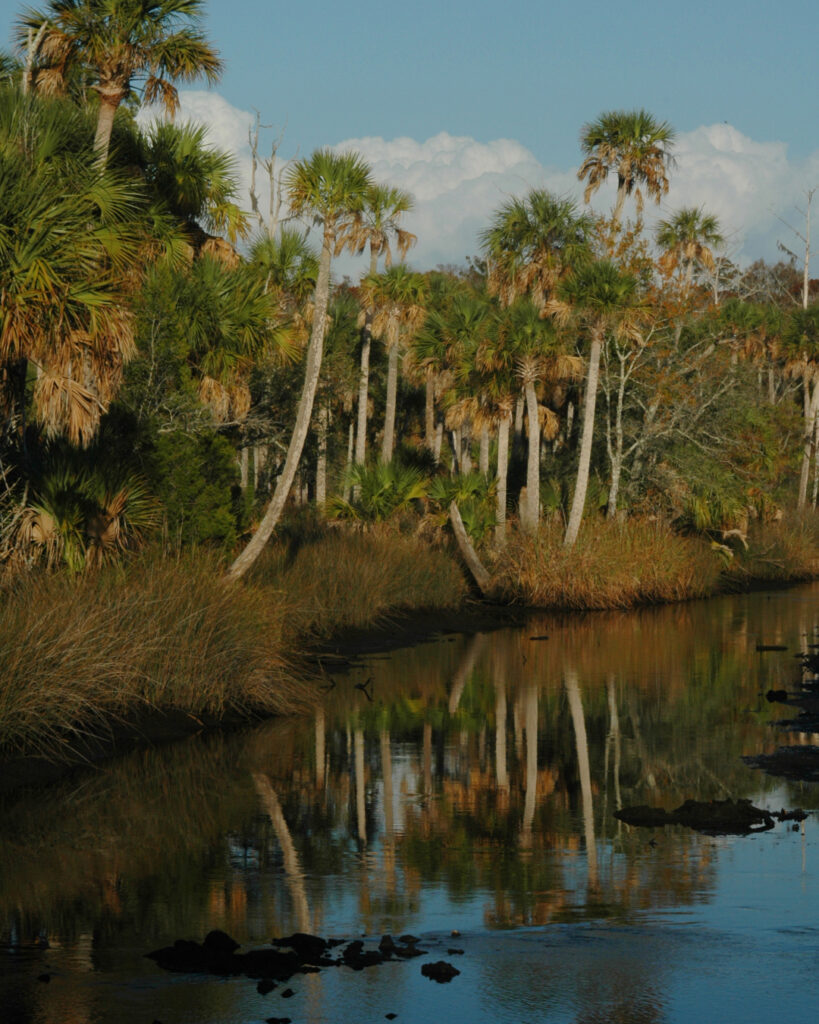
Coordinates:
363	399
388	443
530	514
483	456
321	461
315	348
503	473
582	484
811	405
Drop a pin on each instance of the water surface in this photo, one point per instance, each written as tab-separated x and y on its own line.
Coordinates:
470	785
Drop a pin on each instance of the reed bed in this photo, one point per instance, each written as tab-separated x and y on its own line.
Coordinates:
612	565
78	654
347	580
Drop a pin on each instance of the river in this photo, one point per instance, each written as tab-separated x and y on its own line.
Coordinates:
466	785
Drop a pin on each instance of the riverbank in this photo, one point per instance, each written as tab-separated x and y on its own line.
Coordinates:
164	647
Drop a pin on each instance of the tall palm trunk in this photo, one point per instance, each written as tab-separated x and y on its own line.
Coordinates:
321	460
364	377
315	348
388	443
582	484
503	473
429	409
811	407
483	453
109	104
530	514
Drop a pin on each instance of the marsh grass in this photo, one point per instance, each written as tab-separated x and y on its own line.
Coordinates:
612	565
783	552
78	654
352	579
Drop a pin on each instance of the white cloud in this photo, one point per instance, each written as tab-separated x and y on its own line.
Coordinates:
458	182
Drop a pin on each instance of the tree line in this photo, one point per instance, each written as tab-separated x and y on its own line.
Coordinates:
170	361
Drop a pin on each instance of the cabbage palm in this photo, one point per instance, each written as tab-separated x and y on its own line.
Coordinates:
687	239
68	235
636	147
397	299
598	299
331	189
532	243
123	44
376	228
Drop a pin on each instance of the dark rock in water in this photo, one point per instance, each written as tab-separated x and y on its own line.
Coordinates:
407	952
772	647
390	1016
192	958
219	942
723	816
306	946
715	817
265	985
387	944
409	940
288	993
454	952
440	971
776	696
795	815
643	816
277	1020
269	963
798	763
43	977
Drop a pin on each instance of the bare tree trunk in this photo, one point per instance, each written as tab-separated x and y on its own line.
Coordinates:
530	513
429	409
244	468
811	405
465	454
363	398
321	461
109	103
439	440
517	439
388	443
503	473
483	457
468	553
348	467
257	542
582	484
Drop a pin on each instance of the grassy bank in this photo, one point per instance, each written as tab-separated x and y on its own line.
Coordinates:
78	655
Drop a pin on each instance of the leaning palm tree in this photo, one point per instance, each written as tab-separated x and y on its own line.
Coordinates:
330	188
376	228
688	239
397	299
124	45
633	145
599	298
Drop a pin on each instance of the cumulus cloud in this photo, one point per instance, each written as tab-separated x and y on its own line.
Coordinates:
458	181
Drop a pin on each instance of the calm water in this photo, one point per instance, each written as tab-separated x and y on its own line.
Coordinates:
475	791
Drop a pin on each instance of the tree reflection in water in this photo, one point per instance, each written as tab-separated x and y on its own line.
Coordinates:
478	787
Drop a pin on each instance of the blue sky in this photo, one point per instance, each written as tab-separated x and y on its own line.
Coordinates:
521	69
465	104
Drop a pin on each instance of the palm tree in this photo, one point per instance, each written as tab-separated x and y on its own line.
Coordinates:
397	299
196	182
532	243
599	298
633	145
330	188
687	239
377	226
539	356
69	236
123	44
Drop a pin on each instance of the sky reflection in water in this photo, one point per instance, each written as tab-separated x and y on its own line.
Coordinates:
476	792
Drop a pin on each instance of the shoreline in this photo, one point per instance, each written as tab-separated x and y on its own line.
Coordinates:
153	727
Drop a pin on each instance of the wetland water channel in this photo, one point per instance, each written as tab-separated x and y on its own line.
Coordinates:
471	785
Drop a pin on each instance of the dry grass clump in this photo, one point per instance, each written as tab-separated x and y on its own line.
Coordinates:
353	580
612	565
76	654
783	552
